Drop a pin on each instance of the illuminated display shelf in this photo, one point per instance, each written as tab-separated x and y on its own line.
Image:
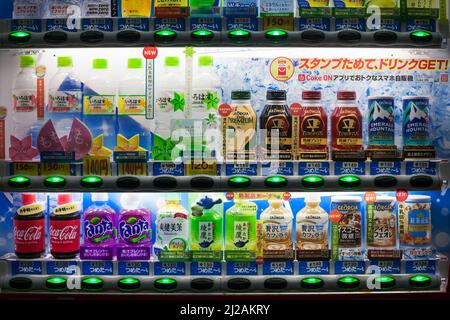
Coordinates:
129	37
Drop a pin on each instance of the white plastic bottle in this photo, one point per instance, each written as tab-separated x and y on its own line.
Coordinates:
24	98
170	98
64	97
99	103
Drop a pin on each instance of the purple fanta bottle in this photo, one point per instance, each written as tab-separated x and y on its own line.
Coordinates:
134	229
100	229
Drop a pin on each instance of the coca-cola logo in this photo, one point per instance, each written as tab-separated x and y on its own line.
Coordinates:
64	234
33	233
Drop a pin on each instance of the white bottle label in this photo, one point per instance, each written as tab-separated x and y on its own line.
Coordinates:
205	100
172	233
205	233
99	104
64	101
132	105
170	101
241	233
24	100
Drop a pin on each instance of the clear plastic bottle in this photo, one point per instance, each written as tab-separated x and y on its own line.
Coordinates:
64	97
240	230
312	225
170	98
24	105
99	103
277	227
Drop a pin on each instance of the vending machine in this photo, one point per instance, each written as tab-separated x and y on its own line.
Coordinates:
224	148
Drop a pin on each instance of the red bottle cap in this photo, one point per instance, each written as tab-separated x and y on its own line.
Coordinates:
28	198
311	95
346	95
64	198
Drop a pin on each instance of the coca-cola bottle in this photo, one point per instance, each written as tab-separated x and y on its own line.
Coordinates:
65	228
29	228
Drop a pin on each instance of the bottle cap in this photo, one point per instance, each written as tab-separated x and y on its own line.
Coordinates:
277	95
276	203
346	95
64	198
312	198
130	201
27	61
205	61
100	64
311	95
240	95
98	196
135	63
172	62
28	198
64	62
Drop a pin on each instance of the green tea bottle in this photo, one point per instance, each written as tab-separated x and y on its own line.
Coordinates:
206	226
241	227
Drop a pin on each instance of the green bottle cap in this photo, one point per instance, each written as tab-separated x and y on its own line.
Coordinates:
100	64
27	61
172	62
64	62
205	61
134	63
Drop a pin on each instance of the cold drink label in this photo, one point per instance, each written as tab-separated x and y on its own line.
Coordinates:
24	100
242	268
314	267
135	268
61	101
62	267
132	105
319	23
416	122
64	235
241	232
26	267
349	267
278	268
97	268
206	268
420	266
381	121
387	266
170	101
99	104
29	235
98	229
170	268
205	233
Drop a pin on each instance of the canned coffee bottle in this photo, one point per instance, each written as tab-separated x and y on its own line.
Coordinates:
29	228
65	228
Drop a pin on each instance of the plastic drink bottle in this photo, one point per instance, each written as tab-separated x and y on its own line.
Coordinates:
277	226
206	226
241	226
100	222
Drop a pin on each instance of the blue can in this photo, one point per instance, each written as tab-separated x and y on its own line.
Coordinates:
381	121
416	121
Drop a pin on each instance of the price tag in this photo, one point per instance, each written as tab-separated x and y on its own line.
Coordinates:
25	168
132	168
53	168
204	168
284	23
96	166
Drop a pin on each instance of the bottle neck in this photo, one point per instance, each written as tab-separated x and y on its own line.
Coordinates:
276	102
312	204
240	101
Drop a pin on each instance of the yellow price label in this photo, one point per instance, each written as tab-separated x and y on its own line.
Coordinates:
283	23
52	168
96	166
132	168
204	168
26	168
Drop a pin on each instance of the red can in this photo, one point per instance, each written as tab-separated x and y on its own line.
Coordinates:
65	228
29	228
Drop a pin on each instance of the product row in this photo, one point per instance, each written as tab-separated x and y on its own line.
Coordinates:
242	229
93	118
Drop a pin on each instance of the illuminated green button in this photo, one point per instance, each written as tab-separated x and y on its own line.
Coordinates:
276	35
19	37
55	182
19	182
349	182
239	35
91	182
420	281
421	36
129	284
165	284
384	282
348	282
92	284
275	182
202	35
56	284
313	182
312	283
165	36
239	182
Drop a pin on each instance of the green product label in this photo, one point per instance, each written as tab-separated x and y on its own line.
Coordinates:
335	240
315	12
162	149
